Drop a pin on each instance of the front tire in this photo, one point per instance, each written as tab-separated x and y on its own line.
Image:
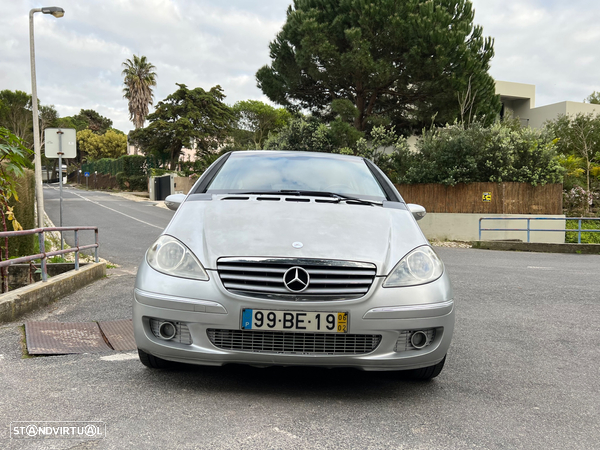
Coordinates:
153	362
426	373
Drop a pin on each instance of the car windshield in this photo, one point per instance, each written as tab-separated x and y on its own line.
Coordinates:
266	173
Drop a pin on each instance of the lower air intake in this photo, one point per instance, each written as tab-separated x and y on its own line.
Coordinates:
294	343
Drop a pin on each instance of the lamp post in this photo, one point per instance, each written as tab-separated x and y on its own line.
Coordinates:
39	192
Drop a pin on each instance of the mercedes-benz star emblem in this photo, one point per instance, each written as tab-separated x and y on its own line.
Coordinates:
296	279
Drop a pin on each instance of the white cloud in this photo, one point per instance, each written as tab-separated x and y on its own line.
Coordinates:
549	43
79	57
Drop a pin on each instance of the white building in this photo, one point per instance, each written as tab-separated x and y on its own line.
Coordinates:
518	99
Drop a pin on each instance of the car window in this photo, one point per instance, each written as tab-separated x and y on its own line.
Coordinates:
290	172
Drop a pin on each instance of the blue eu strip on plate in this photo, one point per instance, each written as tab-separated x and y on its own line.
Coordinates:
247	319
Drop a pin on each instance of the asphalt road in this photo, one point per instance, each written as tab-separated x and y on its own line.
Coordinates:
522	372
126	228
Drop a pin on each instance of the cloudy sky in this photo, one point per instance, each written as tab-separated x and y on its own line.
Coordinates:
550	43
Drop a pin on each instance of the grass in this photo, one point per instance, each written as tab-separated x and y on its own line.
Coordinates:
56	259
26	354
586	238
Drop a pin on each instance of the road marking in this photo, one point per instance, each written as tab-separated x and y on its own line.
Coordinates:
118	212
120	357
540	268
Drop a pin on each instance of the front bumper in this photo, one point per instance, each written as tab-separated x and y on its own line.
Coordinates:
204	305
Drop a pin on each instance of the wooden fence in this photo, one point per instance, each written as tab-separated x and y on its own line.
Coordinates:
485	198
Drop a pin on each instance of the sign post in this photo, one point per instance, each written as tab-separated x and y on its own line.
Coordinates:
65	146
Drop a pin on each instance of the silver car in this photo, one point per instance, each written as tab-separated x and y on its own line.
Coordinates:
294	258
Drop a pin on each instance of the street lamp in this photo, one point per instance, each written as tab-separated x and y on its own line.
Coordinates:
39	193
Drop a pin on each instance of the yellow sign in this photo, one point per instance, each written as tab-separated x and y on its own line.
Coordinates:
486	197
342	322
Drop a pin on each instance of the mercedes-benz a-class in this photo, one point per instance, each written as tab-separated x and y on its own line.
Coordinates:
294	258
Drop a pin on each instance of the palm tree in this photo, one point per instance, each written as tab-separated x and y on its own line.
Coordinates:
139	78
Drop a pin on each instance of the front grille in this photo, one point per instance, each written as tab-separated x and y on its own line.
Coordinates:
329	279
293	343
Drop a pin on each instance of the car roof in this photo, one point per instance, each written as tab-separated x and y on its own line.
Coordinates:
292	153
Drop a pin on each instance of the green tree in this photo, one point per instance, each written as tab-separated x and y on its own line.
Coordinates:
92	146
139	78
503	152
579	136
13	161
593	98
16	115
399	62
191	118
259	119
303	134
87	118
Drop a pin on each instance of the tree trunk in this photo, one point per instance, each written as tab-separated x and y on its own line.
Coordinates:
361	105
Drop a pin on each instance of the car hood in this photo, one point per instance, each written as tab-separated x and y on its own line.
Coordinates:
253	228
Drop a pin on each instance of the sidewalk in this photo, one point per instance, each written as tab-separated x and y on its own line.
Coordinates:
585	249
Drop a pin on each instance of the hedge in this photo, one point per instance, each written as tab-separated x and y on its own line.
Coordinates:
586	238
132	183
130	165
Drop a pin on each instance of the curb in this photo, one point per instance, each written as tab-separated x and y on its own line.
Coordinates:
584	249
15	303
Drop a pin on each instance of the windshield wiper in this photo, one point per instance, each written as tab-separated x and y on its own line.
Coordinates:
338	197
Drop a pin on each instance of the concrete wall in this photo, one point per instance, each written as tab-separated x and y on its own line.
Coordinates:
465	227
519	100
514	91
15	303
538	116
182	185
584	108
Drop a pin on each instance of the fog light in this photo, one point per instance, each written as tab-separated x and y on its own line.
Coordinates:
171	331
414	340
167	331
418	339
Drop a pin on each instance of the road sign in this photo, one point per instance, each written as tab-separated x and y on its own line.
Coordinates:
57	139
86	174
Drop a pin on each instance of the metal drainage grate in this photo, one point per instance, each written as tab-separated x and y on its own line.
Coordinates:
62	338
294	343
264	277
403	343
119	334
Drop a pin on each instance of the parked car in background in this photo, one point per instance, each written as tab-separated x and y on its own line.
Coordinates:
294	258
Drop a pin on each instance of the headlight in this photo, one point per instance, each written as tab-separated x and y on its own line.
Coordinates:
420	266
169	256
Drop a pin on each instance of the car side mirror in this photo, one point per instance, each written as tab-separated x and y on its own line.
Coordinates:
173	201
417	211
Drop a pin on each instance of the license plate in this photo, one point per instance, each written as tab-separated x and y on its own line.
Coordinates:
296	321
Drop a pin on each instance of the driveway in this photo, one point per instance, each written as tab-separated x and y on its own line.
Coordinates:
521	372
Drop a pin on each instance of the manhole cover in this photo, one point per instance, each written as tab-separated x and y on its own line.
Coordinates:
58	338
119	334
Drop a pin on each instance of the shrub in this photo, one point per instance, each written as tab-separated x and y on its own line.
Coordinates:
586	238
25	213
132	183
577	201
504	152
